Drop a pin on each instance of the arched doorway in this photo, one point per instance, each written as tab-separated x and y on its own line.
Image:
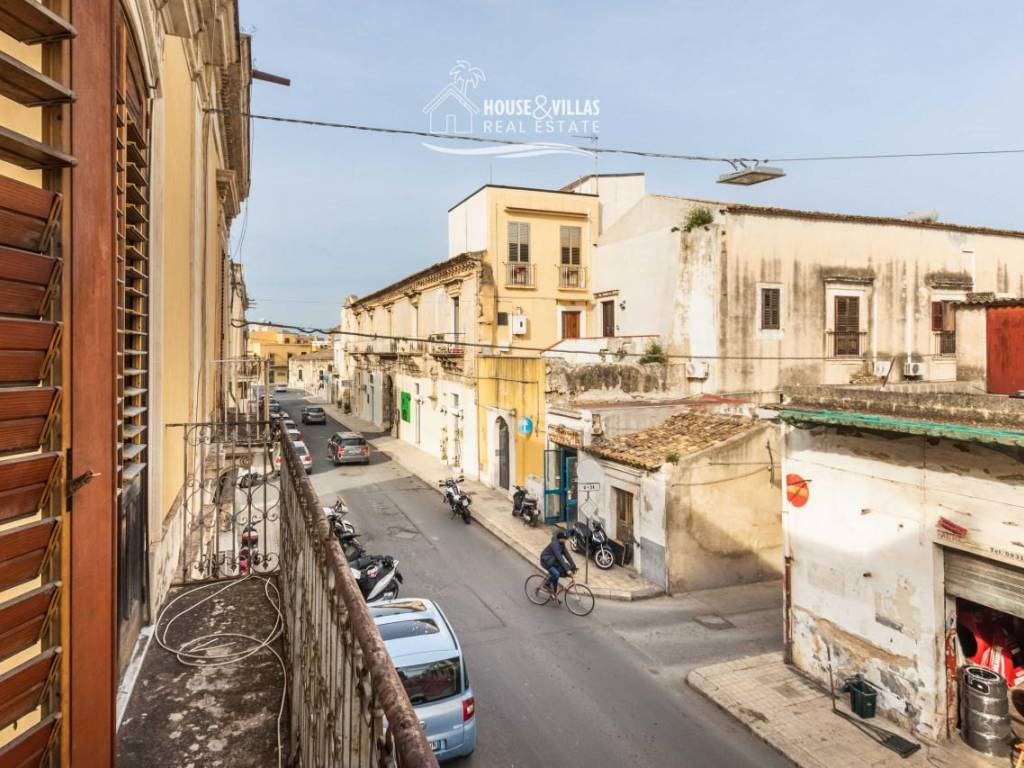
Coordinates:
503	454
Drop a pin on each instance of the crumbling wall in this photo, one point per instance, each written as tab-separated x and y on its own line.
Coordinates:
605	381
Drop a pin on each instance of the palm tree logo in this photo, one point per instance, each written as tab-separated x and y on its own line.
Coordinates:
464	75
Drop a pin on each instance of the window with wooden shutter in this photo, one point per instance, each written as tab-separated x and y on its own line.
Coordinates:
944	327
847	326
771	309
131	120
519	242
33	436
570	245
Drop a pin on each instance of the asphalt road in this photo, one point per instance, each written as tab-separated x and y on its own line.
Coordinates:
552	689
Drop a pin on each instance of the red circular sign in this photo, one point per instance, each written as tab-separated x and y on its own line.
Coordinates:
797	490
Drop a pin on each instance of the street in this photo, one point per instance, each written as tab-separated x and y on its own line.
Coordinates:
551	688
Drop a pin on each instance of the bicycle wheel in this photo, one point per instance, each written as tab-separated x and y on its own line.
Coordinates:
579	599
535	590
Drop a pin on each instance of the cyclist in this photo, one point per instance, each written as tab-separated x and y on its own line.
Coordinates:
556	560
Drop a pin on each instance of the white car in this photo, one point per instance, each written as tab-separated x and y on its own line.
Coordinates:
304	457
280	387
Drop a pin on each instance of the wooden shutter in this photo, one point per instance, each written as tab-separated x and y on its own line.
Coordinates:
31	367
847	314
771	308
937	315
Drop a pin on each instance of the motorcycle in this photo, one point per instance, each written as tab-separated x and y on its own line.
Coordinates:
249	551
378	577
525	506
591	535
335	516
455	498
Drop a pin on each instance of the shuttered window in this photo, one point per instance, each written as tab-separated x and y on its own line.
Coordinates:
570	245
131	120
519	242
771	309
943	325
32	348
847	325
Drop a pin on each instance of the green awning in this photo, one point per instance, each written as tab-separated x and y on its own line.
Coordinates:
966	432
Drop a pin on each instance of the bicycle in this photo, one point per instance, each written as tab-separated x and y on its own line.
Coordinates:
578	597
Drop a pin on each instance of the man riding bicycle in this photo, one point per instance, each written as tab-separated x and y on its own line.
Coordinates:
556	560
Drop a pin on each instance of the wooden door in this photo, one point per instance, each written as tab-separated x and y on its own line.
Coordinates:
623	515
1005	349
503	454
607	319
570	325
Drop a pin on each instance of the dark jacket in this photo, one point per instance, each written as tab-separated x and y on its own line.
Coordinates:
555	553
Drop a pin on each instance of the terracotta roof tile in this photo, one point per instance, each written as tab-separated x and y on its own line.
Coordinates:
684	433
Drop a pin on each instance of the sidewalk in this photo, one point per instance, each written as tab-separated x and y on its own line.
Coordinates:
793	714
493	510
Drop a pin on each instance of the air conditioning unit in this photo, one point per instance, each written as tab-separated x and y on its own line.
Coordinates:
697	369
518	325
881	368
913	370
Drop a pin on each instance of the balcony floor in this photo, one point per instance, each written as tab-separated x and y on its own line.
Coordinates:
208	716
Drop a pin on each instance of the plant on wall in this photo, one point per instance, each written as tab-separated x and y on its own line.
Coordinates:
444	443
654	353
699	217
672	457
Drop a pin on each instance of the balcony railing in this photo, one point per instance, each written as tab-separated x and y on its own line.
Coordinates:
845	343
348	706
385	347
572	276
944	342
446	345
411	346
519	275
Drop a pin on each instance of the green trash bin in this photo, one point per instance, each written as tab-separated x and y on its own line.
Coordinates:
863	697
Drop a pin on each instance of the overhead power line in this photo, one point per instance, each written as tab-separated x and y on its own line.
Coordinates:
732	160
496	348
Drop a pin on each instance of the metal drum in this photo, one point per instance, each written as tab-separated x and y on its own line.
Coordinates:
985	711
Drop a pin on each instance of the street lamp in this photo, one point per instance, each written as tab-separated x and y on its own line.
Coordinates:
746	177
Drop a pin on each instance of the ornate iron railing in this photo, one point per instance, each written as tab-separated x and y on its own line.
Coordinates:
348	707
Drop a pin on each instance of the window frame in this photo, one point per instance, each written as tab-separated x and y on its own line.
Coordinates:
568	250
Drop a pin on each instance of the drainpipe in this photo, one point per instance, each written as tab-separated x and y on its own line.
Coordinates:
787	558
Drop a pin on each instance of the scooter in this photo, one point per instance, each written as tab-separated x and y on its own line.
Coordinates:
456	499
592	534
525	506
249	551
335	516
377	576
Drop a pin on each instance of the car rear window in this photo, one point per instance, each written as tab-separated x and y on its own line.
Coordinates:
399	630
316	410
301	450
394	609
432	682
353	441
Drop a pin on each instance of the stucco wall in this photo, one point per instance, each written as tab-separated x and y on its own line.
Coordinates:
867	562
722	514
972	343
511	388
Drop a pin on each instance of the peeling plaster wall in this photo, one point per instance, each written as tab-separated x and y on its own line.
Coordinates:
722	514
605	381
867	574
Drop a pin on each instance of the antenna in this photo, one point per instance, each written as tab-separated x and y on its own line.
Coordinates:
592	138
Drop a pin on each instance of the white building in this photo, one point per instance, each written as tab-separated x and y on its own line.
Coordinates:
901	521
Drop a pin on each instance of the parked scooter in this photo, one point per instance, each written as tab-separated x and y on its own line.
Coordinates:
378	577
336	516
249	551
456	499
525	506
591	533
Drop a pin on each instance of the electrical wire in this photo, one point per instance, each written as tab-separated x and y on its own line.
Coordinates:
215	649
494	347
596	150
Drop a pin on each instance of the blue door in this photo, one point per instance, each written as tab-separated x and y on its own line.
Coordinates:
569	485
552	485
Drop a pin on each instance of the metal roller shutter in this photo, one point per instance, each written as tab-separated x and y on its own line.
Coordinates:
985	581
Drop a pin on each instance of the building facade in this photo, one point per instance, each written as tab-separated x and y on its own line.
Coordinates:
276	347
312	373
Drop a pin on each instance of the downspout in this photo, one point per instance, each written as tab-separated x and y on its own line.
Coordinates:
787	559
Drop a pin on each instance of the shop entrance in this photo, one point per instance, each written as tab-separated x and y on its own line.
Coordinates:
987	600
560	498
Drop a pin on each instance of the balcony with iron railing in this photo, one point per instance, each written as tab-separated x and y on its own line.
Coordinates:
519	275
845	344
572	277
446	345
264	652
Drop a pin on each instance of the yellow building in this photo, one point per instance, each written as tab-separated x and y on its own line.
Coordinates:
277	347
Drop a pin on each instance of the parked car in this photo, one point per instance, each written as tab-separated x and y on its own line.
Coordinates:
304	457
295	435
280	388
314	414
348	448
431	666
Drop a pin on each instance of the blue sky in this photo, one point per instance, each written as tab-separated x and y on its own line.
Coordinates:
335	212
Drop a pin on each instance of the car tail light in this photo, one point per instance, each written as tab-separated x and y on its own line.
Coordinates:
468	708
366	449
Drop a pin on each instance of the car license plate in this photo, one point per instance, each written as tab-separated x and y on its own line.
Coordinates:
438	745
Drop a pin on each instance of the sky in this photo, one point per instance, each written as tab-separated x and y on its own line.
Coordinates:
334	212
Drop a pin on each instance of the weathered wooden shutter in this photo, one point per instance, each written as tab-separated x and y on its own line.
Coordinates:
770	308
847	314
31	430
